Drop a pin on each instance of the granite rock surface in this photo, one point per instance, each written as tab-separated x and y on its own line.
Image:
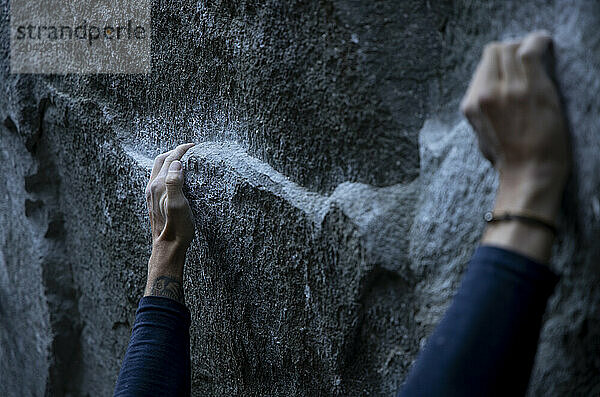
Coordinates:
337	195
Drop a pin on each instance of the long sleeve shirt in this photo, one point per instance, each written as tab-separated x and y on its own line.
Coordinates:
484	346
157	361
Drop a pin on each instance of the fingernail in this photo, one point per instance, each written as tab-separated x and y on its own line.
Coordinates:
175	166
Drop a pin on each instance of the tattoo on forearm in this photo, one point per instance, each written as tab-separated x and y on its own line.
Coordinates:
168	287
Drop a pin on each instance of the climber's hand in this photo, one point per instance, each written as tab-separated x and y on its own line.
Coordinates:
514	108
171	224
170	213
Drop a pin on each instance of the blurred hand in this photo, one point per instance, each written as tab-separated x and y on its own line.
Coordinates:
514	108
171	223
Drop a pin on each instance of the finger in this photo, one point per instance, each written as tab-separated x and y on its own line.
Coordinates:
531	51
489	70
511	68
158	163
486	77
174	180
175	154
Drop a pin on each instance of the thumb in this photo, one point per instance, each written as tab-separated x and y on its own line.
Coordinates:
534	51
174	179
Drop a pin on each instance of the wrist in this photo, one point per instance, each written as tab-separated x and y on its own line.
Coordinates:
167	258
165	272
534	192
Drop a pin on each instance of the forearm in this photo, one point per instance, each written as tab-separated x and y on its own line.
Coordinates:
486	342
165	272
157	361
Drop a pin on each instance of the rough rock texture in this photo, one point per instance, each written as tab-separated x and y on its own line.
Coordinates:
337	195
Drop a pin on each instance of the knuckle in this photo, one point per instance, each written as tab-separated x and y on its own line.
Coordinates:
174	179
156	186
160	157
517	94
487	99
491	47
468	108
526	55
511	47
508	51
169	157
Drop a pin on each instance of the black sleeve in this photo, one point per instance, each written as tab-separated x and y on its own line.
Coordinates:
157	361
486	343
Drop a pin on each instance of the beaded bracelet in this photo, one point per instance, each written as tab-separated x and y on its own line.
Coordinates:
491	217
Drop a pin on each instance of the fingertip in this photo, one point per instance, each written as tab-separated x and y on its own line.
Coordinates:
175	166
539	39
185	146
180	150
189	146
543	33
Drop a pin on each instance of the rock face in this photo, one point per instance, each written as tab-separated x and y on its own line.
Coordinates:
337	195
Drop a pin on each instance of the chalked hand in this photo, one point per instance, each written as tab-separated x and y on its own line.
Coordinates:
171	224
